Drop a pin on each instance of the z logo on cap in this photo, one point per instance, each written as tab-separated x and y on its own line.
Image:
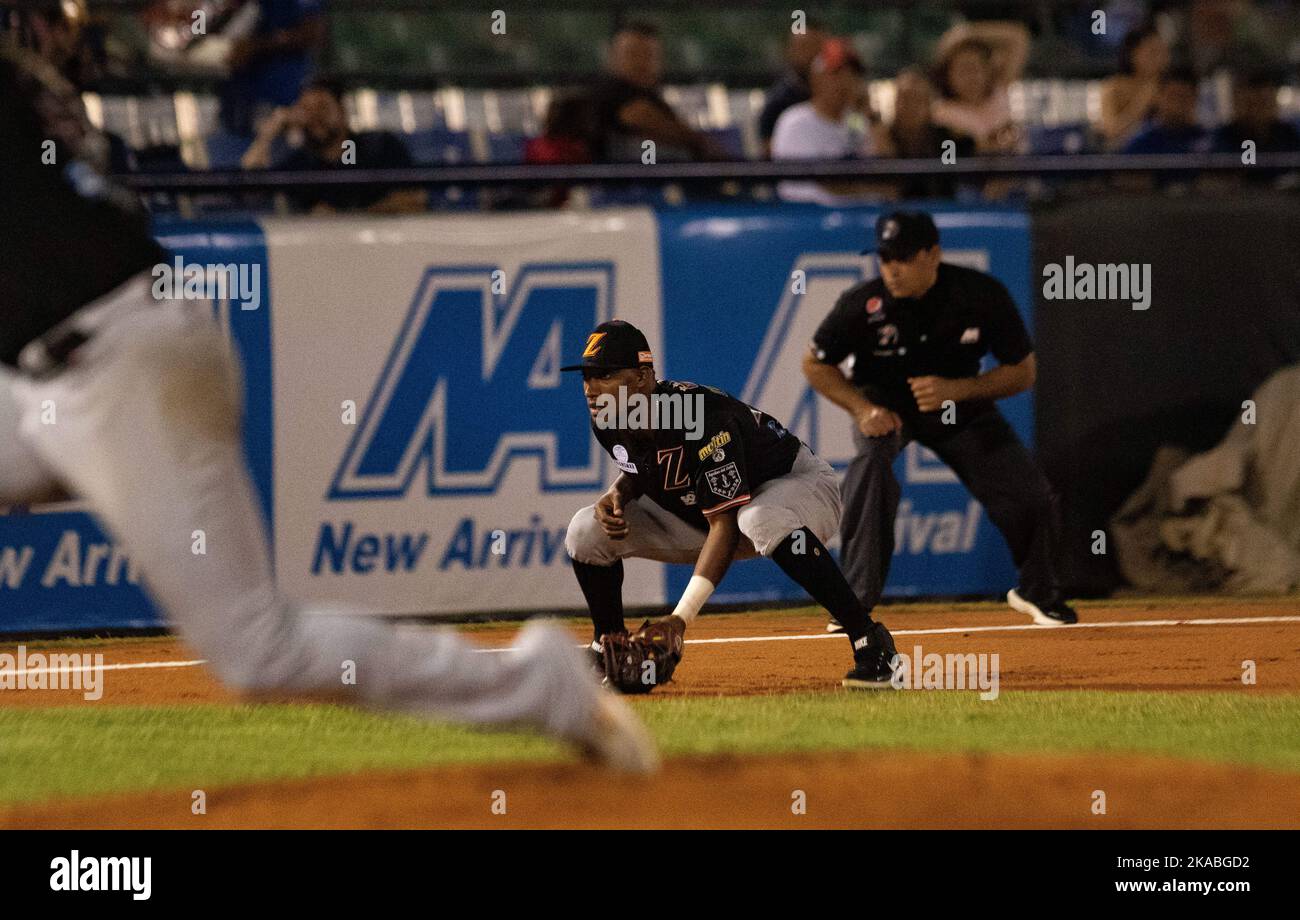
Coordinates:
724	481
593	344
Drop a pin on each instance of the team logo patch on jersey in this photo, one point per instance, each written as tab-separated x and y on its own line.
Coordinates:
874	304
688	498
621	461
724	481
970	336
715	442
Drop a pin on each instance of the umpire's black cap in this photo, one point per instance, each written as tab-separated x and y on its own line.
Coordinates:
613	346
902	234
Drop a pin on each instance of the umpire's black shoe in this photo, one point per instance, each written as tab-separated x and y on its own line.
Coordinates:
873	664
1056	614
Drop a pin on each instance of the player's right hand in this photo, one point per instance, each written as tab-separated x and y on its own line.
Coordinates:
609	514
877	421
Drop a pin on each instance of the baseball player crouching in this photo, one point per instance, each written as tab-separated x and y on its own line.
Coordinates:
737	486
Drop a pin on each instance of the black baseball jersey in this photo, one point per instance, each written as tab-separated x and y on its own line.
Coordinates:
945	333
58	249
739	449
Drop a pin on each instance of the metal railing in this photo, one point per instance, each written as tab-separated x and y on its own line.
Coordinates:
1043	166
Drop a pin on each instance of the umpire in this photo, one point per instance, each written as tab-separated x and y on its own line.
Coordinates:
917	334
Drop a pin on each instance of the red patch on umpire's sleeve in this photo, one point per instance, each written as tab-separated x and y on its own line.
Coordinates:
874	305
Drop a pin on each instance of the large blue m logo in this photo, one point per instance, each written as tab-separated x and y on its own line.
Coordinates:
473	381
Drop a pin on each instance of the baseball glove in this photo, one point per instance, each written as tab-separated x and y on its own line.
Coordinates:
640	661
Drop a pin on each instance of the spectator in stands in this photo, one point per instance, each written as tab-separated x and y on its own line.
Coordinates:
1215	35
319	117
628	108
1128	99
792	87
55	35
565	140
565	135
975	65
269	68
1254	118
834	124
1173	127
912	134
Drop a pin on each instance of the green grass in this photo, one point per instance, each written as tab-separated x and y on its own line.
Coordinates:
56	752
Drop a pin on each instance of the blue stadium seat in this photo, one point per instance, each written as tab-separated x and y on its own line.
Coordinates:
1060	140
225	149
506	147
439	147
730	139
454	198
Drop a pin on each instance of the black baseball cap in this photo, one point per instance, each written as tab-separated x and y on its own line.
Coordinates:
903	234
613	346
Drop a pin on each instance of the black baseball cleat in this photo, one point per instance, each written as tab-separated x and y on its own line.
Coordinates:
873	664
1056	614
596	655
834	626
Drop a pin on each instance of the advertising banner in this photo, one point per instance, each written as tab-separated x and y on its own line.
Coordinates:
417	449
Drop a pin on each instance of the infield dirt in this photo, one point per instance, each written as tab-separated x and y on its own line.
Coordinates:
888	788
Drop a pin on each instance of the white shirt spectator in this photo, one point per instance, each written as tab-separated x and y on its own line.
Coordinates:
802	133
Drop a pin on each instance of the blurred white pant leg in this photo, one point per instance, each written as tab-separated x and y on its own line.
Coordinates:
23	477
147	431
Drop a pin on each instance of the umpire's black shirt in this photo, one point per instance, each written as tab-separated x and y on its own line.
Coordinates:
58	250
944	333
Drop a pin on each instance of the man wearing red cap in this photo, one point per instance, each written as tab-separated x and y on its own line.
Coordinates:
834	124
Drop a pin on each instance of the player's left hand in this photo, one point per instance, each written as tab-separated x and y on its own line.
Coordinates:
932	392
639	662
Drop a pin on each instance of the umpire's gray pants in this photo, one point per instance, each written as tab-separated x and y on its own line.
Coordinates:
807	496
992	463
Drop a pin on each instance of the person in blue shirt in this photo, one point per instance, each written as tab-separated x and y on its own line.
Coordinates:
1173	127
270	67
328	142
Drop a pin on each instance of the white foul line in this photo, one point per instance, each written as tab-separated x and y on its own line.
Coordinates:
1222	621
105	667
937	631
